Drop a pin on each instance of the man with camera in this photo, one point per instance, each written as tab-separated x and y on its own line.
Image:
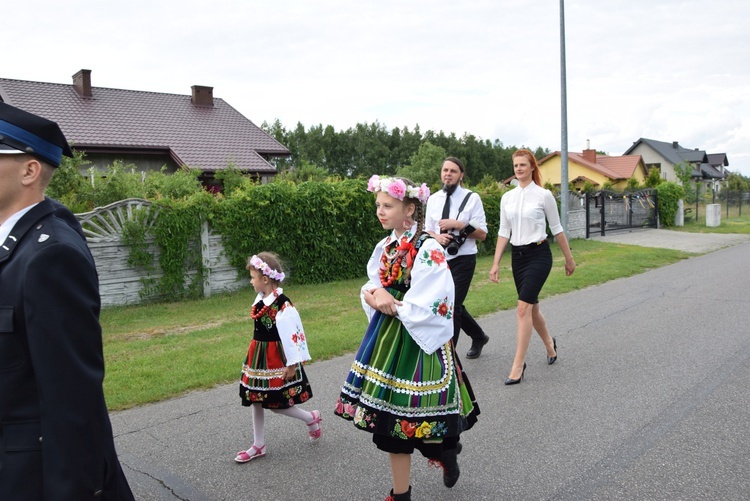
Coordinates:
455	218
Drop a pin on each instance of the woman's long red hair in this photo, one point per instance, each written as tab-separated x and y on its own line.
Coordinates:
536	176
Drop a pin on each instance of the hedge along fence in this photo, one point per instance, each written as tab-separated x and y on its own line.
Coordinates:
323	231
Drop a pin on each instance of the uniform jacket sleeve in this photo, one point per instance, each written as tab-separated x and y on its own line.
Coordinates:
65	345
53	397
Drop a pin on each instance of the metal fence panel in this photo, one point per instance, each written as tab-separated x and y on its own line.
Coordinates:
611	211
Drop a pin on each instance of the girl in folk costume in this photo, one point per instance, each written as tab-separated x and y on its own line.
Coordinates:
272	376
406	386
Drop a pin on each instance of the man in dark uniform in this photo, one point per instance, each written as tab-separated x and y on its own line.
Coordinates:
55	435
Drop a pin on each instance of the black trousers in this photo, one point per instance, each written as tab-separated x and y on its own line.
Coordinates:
462	269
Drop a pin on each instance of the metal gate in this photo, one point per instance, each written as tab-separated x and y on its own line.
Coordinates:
611	211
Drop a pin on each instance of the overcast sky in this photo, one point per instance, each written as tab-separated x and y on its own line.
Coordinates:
668	70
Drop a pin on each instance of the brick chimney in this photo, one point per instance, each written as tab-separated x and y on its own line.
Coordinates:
202	95
82	83
588	154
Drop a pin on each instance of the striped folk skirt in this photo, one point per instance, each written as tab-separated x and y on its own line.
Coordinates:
262	380
395	389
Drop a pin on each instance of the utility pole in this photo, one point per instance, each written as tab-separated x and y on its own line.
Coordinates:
564	126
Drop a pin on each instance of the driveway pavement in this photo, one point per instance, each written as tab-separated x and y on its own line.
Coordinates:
649	399
679	240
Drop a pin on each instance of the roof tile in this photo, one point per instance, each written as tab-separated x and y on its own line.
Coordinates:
202	137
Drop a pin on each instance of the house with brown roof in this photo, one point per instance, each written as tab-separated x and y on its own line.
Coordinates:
597	170
149	129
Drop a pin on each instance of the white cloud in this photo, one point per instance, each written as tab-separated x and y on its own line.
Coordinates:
669	70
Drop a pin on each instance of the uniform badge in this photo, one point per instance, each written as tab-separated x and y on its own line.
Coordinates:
43	237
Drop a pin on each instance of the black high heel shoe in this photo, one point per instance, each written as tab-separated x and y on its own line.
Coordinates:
516	381
551	360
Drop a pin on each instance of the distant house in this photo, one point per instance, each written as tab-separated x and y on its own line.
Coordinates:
148	129
708	169
590	167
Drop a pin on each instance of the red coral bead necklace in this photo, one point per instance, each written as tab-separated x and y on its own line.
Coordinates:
255	314
395	269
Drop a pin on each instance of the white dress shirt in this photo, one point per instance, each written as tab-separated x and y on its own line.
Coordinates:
9	223
474	211
523	212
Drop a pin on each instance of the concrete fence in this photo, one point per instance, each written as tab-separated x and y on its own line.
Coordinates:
121	284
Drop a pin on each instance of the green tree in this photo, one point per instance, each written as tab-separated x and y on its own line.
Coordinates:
68	183
118	182
232	178
654	178
404	143
738	182
277	131
632	184
367	149
684	172
424	165
540	152
370	153
306	172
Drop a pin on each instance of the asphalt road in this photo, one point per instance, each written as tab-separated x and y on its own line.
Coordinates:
649	400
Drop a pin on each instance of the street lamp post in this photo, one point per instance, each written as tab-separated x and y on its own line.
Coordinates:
564	126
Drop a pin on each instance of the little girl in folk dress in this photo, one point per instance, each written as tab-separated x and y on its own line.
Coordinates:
272	376
406	386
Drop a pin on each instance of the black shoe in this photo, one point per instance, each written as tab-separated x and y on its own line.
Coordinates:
406	496
450	467
516	381
551	360
476	347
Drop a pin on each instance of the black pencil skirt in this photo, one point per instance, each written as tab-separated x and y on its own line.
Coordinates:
531	266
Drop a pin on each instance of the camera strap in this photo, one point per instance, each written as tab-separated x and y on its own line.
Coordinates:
463	203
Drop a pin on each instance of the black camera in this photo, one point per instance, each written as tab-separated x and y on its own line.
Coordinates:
460	237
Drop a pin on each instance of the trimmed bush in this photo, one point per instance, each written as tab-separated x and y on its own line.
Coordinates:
669	194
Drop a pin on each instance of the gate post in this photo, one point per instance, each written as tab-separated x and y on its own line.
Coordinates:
602	212
630	210
588	219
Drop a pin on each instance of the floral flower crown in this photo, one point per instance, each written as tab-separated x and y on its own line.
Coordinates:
263	267
397	188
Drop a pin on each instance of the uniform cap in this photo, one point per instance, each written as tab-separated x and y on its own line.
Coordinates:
23	132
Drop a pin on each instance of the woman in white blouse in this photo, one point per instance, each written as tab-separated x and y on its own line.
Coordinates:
524	212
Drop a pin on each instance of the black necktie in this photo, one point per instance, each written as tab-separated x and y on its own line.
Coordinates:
446	208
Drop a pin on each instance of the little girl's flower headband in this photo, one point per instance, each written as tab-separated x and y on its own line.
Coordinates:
397	188
263	267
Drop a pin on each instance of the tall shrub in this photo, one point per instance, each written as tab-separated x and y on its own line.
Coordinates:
177	231
323	230
669	193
